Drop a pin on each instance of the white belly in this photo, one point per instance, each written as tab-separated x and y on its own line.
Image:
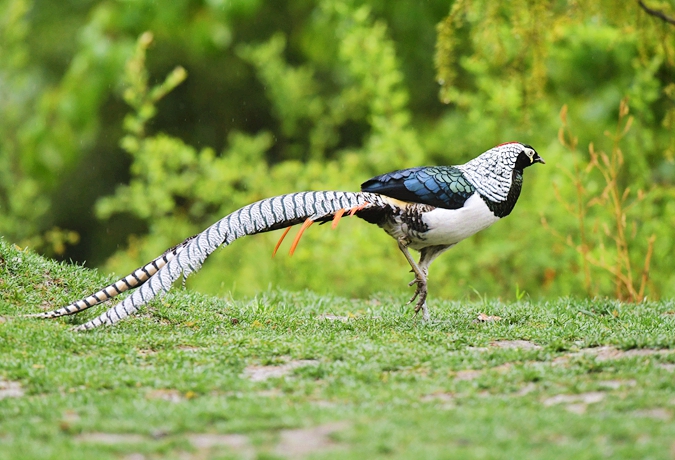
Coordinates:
450	226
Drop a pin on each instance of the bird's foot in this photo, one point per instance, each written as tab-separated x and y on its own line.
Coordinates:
421	296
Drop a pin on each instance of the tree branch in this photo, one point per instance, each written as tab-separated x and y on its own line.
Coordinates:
657	13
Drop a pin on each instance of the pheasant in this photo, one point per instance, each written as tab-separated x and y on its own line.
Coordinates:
428	209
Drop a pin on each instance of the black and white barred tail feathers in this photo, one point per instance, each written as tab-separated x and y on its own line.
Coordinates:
262	216
131	281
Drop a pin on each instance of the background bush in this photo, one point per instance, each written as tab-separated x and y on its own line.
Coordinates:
115	147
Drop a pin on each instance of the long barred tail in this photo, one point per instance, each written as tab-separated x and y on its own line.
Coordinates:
131	281
187	257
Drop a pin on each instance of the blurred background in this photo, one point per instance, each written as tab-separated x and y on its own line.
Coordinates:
126	126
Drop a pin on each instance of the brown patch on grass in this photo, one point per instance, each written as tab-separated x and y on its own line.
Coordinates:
134	456
657	413
575	403
586	398
304	441
146	352
561	360
443	396
502	367
238	442
271	393
525	390
472	374
577	408
468	374
188	348
616	384
485	318
609	353
328	317
111	438
296	443
68	419
165	394
478	349
443	399
325	403
522	344
10	389
262	373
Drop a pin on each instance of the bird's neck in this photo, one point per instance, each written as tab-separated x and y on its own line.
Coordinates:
491	176
504	208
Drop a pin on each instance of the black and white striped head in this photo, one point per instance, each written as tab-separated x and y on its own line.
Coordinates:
527	156
492	172
511	155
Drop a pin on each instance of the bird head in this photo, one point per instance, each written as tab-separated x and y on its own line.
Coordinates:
527	156
492	172
514	154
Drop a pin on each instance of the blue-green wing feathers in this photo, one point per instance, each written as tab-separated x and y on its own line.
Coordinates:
440	186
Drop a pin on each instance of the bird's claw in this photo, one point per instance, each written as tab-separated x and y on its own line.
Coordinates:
420	294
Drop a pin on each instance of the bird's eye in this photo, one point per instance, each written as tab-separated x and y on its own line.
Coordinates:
530	154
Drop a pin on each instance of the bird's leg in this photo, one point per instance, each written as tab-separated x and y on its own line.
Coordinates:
420	279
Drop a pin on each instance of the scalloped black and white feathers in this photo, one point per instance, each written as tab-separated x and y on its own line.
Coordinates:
429	209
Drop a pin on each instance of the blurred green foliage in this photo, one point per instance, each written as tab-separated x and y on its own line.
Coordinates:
235	101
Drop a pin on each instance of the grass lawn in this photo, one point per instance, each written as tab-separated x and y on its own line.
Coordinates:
297	375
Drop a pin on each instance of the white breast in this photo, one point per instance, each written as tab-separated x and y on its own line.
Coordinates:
450	226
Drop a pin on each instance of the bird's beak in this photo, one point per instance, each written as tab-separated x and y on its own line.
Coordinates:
539	159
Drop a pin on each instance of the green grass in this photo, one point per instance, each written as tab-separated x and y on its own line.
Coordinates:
592	379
